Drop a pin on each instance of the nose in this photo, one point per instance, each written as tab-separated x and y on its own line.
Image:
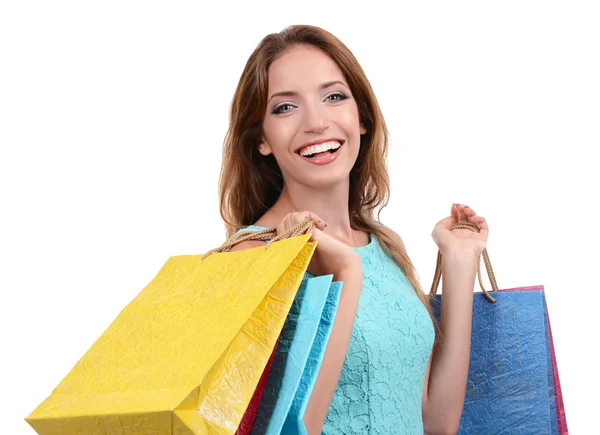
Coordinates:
314	119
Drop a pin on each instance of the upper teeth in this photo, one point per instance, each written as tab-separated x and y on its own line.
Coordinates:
320	148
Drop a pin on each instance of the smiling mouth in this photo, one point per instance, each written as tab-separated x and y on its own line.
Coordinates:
320	150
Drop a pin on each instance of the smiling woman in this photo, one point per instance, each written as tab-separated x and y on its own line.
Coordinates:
311	114
307	139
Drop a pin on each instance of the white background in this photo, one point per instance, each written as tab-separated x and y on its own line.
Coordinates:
113	115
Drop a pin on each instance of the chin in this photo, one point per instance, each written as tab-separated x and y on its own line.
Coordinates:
327	179
325	176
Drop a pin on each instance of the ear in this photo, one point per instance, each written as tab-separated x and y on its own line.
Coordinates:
363	129
264	148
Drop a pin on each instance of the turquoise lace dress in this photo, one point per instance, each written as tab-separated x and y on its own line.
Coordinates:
381	383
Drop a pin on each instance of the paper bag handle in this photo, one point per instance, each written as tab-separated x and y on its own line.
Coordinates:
486	259
269	234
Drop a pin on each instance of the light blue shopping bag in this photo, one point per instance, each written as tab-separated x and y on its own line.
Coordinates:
298	357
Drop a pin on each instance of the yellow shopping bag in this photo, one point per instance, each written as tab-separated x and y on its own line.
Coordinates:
185	356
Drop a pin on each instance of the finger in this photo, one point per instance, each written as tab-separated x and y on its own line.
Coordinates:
289	221
307	214
471	215
319	223
474	218
461	213
483	226
283	225
469	212
454	212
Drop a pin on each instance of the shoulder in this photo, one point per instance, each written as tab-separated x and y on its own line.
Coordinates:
248	244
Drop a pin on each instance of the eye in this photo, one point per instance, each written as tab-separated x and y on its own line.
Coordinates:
282	108
336	96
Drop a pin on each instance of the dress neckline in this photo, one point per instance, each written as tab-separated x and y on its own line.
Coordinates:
359	249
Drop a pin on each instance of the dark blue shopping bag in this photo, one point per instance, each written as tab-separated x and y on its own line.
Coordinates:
513	385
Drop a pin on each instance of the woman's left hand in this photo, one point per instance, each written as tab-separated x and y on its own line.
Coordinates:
460	240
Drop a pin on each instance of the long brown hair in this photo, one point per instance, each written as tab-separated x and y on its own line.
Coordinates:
250	183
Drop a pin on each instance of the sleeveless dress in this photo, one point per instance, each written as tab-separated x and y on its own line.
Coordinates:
381	383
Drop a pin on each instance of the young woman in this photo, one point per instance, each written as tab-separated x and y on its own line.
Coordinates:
307	139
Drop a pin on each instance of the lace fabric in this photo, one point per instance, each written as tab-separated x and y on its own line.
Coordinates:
381	384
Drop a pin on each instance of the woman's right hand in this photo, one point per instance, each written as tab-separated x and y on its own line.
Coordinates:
331	256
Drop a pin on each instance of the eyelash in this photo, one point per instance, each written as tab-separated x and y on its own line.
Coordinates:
277	110
340	94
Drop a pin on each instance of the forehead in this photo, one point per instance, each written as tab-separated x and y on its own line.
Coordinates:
302	67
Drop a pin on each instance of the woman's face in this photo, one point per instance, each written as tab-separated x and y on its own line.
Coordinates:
311	124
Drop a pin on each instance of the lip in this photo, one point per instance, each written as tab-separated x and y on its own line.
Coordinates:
318	141
323	160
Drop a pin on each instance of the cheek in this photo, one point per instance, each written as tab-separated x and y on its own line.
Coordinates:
350	121
279	133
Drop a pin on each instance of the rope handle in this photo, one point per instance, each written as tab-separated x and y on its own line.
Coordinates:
269	235
486	259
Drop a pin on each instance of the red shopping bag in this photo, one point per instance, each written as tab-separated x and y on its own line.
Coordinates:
247	422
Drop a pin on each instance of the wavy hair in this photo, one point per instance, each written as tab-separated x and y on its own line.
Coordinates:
250	184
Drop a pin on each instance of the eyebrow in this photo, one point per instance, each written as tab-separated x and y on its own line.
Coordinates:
293	93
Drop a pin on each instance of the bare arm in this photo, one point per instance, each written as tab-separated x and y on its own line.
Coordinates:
335	353
444	391
445	383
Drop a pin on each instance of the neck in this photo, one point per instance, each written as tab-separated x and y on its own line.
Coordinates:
330	204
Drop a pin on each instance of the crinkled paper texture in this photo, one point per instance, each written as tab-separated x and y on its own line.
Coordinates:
510	387
299	355
185	356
